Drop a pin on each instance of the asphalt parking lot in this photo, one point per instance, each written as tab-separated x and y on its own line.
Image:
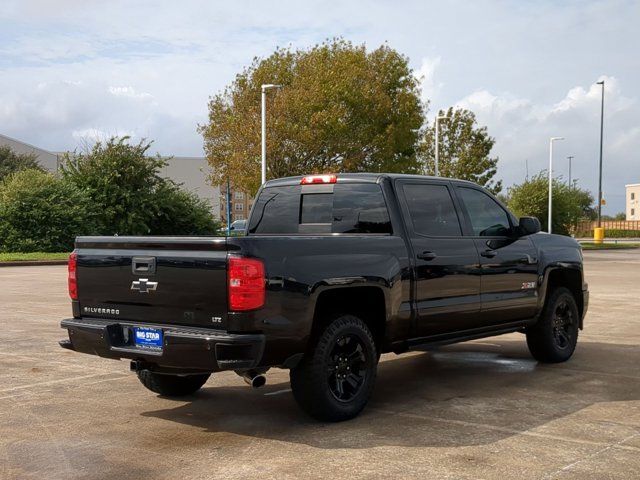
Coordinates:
482	409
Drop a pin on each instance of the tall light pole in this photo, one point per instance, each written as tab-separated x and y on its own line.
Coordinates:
437	140
228	202
265	87
570	157
600	175
551	140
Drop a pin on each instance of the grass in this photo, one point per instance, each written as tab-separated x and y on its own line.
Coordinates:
608	246
33	256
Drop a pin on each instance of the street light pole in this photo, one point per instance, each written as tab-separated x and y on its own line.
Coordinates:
437	139
570	158
265	87
600	174
551	140
228	201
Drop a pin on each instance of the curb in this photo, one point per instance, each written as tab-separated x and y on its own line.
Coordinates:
32	263
609	249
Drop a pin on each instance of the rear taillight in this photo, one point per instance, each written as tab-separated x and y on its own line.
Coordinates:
73	279
245	283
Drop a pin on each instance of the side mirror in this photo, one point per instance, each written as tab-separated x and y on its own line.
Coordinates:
529	225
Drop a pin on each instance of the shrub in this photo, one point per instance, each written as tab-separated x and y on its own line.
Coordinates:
40	212
570	204
11	162
182	213
133	198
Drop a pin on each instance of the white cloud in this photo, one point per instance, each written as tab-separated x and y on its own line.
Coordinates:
129	92
522	130
579	97
426	76
92	135
484	103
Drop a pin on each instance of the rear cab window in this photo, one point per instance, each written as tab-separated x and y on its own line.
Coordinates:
356	208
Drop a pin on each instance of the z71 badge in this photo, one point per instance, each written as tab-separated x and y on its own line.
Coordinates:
528	285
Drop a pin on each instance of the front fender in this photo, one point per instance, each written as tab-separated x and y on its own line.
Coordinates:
543	279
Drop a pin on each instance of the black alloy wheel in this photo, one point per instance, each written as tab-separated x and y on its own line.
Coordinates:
335	379
347	368
554	337
563	323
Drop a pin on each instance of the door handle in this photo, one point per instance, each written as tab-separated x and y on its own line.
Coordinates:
489	253
427	255
528	260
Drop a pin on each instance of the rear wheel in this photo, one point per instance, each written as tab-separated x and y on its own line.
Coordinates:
335	380
172	385
553	339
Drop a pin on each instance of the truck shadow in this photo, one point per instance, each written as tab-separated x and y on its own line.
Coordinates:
467	394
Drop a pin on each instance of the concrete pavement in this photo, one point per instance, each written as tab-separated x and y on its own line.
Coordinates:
482	409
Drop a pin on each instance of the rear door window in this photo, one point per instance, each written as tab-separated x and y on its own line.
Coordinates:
431	209
360	208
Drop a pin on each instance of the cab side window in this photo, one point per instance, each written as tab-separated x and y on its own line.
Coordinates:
432	210
488	218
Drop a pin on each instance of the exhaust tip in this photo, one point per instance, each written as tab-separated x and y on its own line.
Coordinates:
258	381
253	378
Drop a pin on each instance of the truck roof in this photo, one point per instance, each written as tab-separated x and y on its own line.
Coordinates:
361	178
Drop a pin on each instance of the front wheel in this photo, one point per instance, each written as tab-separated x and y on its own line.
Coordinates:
172	385
335	379
553	339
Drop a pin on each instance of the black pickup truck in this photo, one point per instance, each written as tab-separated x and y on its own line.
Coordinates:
332	272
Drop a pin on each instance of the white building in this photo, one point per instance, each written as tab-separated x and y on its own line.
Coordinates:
632	198
191	172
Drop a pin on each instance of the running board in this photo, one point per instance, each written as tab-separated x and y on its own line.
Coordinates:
426	343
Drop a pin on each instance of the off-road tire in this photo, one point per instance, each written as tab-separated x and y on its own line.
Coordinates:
553	338
172	385
344	353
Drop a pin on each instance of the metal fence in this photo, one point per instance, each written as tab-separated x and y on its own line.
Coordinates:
587	226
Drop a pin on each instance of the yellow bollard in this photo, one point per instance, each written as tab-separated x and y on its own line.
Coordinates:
598	235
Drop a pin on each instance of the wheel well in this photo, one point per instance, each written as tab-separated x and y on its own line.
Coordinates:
366	303
570	279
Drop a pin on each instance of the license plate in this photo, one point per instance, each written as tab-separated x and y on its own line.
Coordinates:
150	338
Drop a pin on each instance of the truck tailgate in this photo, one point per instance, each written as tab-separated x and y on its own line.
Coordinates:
159	280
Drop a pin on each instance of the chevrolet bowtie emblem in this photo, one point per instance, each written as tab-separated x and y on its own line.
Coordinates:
144	285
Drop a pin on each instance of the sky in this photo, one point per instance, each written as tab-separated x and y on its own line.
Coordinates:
72	71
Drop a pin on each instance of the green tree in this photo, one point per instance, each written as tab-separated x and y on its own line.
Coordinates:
464	150
182	213
341	109
11	161
618	216
132	196
42	213
570	203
